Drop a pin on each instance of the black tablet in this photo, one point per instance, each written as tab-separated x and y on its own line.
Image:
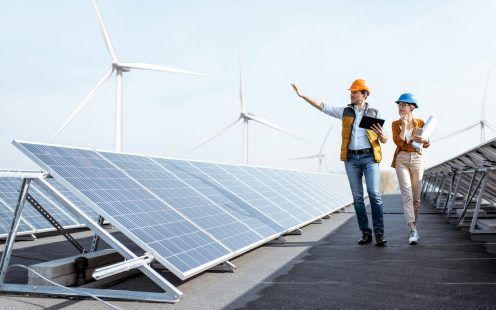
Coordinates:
368	121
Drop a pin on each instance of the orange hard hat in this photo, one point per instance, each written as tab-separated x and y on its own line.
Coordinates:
359	85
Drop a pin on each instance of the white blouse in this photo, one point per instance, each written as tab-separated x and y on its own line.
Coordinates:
408	135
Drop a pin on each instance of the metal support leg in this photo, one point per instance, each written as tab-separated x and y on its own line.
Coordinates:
55	223
425	181
432	187
440	191
479	200
470	196
7	252
171	294
452	203
96	239
448	198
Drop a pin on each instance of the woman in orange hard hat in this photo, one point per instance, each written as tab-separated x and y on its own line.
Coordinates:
361	153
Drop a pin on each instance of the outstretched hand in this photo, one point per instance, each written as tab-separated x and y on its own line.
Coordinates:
297	90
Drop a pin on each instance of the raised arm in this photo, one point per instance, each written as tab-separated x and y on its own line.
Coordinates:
316	103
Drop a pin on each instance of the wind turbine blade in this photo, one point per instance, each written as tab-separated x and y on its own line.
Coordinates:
268	124
304	157
484	97
145	66
490	126
241	96
325	139
456	132
96	89
210	137
106	38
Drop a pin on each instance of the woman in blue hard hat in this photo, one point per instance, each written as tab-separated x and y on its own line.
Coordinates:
408	160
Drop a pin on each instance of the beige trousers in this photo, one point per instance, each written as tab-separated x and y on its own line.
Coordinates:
410	170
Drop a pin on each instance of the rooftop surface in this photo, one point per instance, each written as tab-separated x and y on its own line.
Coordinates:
324	268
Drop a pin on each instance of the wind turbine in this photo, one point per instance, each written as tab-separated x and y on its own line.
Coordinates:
119	68
483	123
320	156
244	116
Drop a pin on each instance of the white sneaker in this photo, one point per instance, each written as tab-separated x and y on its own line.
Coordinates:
413	239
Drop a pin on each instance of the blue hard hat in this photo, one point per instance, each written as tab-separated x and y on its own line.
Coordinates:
408	98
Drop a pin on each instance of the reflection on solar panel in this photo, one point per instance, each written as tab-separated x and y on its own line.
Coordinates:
32	221
191	215
70	196
465	186
215	221
276	213
223	197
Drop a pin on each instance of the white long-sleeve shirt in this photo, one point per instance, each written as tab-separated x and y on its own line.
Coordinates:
358	139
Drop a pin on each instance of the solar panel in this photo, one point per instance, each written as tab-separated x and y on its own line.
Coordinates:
6	216
73	198
283	217
32	221
223	197
467	178
9	193
214	220
189	215
302	191
274	192
172	239
51	206
336	187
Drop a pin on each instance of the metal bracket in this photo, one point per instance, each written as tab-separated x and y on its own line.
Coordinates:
226	266
55	223
294	232
326	217
96	239
470	196
171	294
9	244
319	221
278	240
26	238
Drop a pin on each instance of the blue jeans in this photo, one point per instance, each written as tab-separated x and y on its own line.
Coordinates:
357	166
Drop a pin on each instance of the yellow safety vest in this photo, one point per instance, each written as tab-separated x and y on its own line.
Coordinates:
347	121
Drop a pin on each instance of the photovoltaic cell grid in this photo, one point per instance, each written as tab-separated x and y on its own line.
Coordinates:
174	241
7	210
31	221
215	221
256	200
223	197
190	215
69	195
299	191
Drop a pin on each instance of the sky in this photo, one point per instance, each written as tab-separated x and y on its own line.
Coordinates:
52	53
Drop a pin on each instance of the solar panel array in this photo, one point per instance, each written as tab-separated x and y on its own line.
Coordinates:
191	215
455	184
32	221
